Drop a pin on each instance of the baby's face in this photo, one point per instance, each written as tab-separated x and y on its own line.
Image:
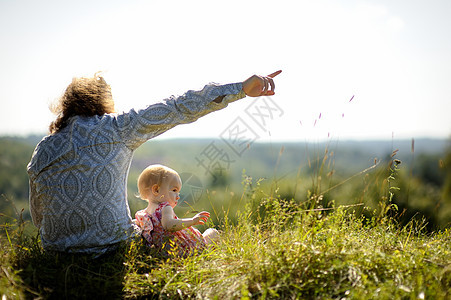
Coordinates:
170	190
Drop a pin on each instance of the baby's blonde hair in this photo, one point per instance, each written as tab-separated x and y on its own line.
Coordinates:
153	174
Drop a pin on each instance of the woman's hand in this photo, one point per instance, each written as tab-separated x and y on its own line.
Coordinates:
201	218
256	86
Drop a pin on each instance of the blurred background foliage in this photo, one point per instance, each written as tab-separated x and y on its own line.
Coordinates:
331	173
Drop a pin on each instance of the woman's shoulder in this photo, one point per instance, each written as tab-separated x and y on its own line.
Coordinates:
49	149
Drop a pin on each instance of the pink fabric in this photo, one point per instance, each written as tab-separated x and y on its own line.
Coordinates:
186	240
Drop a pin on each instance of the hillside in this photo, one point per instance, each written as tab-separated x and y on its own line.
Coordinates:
275	250
216	165
326	222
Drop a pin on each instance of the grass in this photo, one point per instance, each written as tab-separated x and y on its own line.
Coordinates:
272	247
292	254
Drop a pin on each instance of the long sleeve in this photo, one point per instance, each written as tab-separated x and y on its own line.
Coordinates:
139	126
35	206
78	176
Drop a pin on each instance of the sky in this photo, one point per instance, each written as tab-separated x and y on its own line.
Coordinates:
351	69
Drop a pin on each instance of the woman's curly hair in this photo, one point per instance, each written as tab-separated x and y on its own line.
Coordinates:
83	97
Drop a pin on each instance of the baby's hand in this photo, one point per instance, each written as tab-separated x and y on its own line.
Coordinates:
201	218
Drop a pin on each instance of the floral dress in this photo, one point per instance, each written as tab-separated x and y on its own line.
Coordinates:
186	240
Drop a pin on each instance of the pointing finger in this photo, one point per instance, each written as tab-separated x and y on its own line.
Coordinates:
272	75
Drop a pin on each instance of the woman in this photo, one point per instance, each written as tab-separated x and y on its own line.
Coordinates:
78	173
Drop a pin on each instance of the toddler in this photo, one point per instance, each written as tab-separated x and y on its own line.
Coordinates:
160	187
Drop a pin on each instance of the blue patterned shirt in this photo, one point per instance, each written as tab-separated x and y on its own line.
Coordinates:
78	176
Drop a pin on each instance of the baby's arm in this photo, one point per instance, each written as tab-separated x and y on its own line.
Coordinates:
172	224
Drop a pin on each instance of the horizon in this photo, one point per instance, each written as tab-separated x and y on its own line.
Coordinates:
260	141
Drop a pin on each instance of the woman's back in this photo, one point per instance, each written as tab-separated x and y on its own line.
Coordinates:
81	186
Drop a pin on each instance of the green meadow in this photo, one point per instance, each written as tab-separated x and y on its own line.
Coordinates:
324	220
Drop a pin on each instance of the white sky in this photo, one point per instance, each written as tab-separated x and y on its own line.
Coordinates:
393	56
